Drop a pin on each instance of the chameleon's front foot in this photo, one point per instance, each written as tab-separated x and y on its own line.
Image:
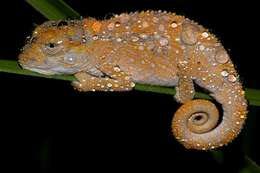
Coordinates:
114	80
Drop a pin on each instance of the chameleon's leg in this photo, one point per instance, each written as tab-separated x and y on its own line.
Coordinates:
185	89
114	80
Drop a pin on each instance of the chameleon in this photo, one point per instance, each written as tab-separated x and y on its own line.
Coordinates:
147	47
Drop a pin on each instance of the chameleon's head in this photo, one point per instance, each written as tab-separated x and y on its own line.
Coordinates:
55	48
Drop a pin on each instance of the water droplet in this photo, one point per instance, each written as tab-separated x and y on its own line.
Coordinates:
59	42
205	34
157	36
222	57
174	24
145	24
161	28
135	39
132	84
110	26
150	46
155	20
163	41
189	33
124	18
224	73
232	78
143	36
116	69
201	47
117	24
95	37
141	47
118	39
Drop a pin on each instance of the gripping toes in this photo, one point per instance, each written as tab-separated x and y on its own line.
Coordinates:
115	80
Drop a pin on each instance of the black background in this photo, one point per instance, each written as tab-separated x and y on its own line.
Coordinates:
46	126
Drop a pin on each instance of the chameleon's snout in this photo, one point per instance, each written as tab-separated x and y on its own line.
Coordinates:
23	61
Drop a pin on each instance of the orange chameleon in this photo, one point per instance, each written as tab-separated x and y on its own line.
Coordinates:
152	47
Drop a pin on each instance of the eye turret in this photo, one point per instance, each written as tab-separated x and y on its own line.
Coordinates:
52	48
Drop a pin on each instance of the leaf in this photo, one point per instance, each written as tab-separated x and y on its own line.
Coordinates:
250	166
53	9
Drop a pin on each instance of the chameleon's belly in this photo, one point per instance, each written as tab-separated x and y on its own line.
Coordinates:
165	76
156	80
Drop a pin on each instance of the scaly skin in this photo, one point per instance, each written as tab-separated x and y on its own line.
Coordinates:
155	48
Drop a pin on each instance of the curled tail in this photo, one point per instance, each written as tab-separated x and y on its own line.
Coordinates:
195	124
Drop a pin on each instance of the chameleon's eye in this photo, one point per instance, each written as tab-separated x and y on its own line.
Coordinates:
52	48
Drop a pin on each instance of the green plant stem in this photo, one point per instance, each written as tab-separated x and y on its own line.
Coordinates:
10	66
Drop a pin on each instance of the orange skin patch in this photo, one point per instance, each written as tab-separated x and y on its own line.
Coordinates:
153	47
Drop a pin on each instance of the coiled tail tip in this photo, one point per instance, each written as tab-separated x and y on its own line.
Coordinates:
195	124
